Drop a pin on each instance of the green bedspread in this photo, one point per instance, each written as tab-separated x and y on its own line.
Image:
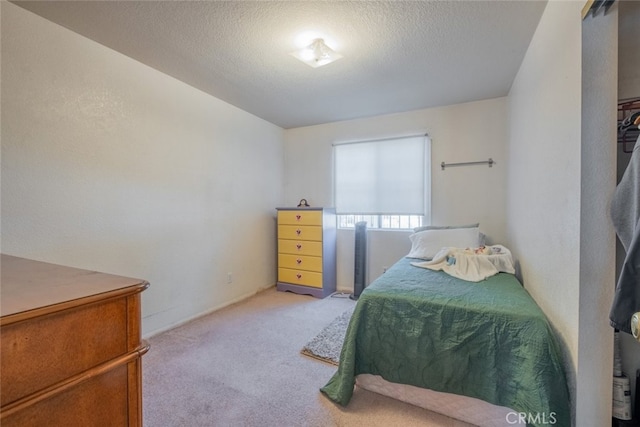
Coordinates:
487	340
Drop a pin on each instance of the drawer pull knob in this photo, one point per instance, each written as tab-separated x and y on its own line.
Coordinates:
299	276
298	246
299	261
298	232
298	217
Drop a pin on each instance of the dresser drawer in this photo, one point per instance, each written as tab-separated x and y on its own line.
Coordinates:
44	351
300	277
302	232
300	247
99	401
300	262
301	217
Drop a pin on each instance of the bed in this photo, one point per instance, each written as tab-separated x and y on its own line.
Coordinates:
485	340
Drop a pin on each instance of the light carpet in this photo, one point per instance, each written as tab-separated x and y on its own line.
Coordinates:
327	345
241	366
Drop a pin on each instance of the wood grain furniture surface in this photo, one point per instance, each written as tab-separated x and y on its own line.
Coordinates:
307	251
70	346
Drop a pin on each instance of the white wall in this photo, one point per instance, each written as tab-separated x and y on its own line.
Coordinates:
459	133
543	208
110	165
598	179
558	192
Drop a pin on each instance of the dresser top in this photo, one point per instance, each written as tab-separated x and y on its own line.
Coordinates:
27	285
305	208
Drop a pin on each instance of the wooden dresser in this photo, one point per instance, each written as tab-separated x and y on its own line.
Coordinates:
70	346
307	251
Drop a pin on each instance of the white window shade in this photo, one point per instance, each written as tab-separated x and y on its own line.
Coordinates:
383	177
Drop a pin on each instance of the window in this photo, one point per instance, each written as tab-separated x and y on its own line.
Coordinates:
384	182
397	222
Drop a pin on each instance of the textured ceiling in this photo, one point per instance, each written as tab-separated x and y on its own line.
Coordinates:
398	55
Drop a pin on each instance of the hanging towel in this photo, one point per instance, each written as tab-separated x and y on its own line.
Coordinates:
625	212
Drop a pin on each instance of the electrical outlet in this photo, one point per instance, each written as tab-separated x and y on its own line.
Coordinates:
229	278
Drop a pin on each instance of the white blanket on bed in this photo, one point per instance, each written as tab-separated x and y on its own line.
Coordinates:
473	265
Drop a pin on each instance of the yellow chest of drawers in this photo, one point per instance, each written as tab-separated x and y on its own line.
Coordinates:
307	251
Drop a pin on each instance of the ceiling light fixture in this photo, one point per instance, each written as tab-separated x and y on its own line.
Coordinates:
316	54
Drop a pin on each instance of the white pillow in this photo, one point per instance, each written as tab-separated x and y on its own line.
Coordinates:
425	244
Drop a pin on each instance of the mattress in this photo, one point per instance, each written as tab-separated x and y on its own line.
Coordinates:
467	409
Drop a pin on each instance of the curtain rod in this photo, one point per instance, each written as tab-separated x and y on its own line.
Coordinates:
380	139
489	162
